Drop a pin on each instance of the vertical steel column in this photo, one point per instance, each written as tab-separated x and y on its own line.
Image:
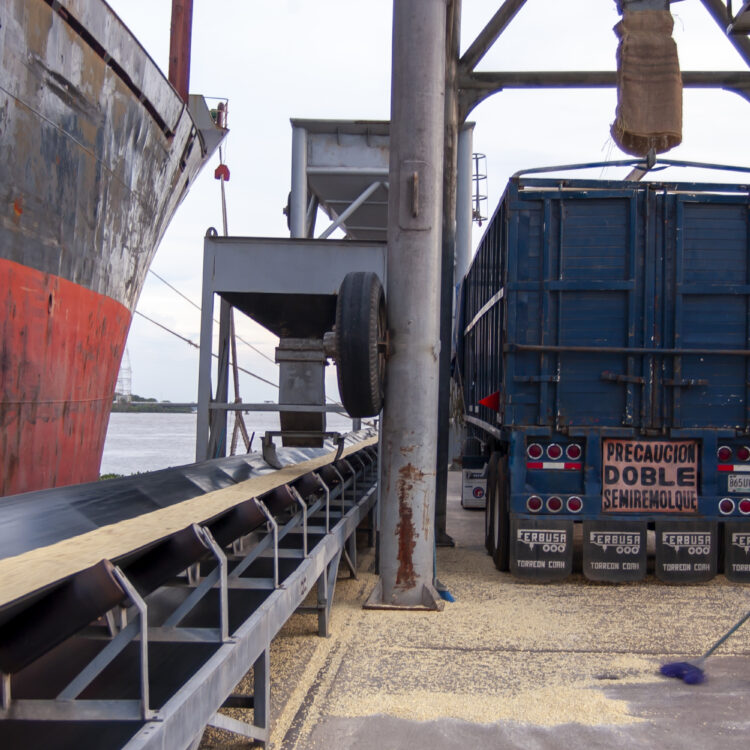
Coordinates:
298	197
463	201
464	222
409	433
206	341
262	693
447	267
217	438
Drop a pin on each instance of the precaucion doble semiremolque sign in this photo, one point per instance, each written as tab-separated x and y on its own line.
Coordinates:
657	476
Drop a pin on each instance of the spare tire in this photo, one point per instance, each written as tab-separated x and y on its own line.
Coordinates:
360	333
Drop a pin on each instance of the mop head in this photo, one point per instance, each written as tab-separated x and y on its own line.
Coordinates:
442	589
689	673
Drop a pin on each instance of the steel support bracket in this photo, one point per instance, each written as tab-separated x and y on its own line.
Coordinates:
431	600
269	451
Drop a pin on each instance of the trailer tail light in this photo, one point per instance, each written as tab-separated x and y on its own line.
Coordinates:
535	451
724	453
745	506
534	503
554	451
574	504
743	453
573	451
554	504
726	506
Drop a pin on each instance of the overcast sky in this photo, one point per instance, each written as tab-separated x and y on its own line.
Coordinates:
279	59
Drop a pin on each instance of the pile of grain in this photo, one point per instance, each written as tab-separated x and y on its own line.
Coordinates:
505	651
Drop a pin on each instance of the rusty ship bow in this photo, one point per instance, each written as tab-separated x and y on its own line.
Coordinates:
97	149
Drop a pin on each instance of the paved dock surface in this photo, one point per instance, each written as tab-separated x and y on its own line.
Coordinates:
510	664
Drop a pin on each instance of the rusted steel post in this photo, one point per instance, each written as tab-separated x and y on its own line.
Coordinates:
409	436
179	46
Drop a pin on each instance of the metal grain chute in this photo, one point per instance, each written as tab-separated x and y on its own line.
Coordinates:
649	83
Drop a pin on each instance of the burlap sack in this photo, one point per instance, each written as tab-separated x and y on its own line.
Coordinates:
649	84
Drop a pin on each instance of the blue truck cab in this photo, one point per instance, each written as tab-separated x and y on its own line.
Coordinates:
604	360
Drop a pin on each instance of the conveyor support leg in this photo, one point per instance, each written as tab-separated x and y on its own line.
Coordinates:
350	555
4	691
262	693
371	529
326	588
259	730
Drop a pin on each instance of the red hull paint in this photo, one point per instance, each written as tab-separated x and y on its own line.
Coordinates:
61	350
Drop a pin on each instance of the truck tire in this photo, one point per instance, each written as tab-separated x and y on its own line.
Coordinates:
360	328
489	541
501	518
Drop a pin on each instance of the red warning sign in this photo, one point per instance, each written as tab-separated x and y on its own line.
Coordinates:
654	476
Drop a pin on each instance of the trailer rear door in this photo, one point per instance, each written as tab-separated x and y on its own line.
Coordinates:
581	278
706	311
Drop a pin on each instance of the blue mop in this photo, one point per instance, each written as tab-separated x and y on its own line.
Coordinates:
691	672
439	587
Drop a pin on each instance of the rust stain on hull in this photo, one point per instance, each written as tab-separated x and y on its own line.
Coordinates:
406	532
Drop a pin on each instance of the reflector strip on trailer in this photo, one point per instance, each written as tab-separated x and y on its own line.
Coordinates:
486	307
733	467
559	465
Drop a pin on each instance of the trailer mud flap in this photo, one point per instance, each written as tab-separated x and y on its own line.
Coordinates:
737	551
686	551
614	550
541	550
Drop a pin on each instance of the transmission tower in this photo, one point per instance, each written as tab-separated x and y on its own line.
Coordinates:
124	379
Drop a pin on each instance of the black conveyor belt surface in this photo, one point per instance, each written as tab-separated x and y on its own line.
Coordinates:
38	519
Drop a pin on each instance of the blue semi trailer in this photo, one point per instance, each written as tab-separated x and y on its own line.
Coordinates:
605	368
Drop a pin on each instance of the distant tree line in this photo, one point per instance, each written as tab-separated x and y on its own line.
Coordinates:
141	404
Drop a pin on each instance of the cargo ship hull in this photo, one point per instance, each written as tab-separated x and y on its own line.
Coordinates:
96	152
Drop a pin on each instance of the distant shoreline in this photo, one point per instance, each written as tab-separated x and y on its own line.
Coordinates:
138	404
151	409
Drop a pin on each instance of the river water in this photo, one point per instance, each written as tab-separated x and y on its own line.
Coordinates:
151	441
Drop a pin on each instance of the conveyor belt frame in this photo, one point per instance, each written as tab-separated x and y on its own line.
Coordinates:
179	723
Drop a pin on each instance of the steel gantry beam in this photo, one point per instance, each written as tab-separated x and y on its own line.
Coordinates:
719	11
477	86
466	88
490	34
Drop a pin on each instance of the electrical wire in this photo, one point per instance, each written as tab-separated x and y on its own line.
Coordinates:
198	307
197	346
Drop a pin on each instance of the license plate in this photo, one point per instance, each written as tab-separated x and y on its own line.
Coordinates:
739	483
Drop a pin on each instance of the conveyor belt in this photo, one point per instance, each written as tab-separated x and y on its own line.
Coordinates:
72	675
49	535
38	519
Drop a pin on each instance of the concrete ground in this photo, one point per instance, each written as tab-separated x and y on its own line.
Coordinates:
511	664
